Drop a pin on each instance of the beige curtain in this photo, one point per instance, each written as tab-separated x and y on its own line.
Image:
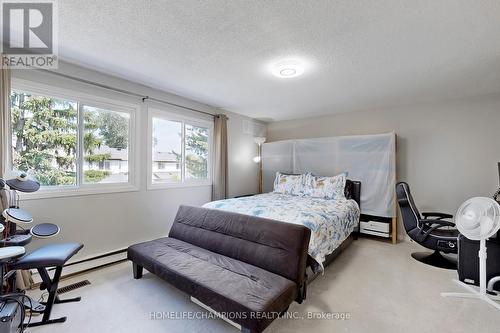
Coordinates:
4	117
219	186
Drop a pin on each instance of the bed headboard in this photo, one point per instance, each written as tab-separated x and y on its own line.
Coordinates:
353	190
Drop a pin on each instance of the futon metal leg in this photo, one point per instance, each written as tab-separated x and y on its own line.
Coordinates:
137	270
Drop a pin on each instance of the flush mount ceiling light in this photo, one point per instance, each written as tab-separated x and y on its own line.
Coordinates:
289	68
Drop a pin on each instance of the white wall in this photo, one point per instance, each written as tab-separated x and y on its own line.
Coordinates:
107	222
447	152
243	172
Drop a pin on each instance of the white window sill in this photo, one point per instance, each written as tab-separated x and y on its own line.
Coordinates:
46	193
163	186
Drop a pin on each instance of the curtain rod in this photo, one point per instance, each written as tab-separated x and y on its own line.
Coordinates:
123	91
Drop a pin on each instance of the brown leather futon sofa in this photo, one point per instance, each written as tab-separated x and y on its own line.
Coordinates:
233	263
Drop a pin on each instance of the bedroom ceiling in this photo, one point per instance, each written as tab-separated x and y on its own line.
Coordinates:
360	55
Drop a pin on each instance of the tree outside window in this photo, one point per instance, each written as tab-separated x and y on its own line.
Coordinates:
45	140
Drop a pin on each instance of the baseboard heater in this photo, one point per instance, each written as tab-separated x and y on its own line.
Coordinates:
87	264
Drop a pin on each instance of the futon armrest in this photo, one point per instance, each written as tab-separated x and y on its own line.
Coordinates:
437	214
438	222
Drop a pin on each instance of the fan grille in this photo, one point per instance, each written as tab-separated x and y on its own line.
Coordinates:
478	218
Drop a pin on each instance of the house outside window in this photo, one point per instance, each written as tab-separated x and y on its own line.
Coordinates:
180	150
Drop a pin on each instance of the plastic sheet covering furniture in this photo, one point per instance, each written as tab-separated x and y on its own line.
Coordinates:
370	159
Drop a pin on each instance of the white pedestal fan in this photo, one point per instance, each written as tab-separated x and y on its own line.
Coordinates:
478	219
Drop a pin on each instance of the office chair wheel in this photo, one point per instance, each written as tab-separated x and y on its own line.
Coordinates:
435	259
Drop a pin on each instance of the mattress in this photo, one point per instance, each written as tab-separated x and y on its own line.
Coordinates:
330	221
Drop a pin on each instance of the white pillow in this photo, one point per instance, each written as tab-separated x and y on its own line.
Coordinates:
325	187
289	184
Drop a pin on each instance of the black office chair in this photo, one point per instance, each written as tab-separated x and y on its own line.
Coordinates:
431	231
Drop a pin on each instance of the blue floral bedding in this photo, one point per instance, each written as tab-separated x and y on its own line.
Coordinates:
330	221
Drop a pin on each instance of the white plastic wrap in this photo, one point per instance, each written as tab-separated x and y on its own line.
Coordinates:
370	159
278	157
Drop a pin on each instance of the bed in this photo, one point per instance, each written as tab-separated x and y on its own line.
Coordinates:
331	221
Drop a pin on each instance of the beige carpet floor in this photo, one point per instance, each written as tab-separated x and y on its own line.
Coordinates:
377	284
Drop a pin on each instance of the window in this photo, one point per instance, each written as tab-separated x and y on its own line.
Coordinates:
70	143
196	141
105	145
180	150
44	137
167	151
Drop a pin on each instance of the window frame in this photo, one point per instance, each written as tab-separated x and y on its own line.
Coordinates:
93	101
171	115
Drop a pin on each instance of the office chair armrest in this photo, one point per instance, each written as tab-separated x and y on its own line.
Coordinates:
437	214
434	225
439	222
